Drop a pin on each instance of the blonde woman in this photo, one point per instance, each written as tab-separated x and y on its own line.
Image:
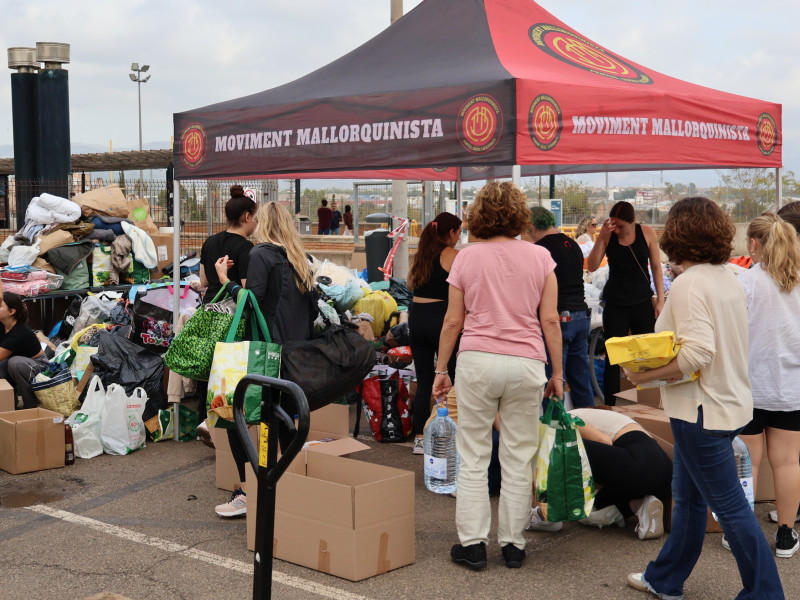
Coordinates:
586	229
279	276
772	290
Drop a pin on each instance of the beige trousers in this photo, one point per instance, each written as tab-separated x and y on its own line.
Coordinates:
488	384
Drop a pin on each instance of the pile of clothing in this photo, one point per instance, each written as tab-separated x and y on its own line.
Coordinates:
97	238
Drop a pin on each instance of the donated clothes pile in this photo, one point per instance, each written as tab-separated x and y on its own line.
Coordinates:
97	238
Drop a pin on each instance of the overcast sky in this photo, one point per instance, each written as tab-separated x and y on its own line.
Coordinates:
201	52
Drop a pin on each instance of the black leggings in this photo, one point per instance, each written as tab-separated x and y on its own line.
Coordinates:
633	467
617	322
425	321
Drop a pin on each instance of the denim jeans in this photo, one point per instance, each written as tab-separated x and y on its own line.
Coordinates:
704	473
575	358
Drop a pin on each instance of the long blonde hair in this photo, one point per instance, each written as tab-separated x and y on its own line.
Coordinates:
274	225
780	249
583	226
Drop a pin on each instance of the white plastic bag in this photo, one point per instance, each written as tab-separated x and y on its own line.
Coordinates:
122	429
85	421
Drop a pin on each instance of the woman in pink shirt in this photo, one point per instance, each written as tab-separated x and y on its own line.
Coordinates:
499	291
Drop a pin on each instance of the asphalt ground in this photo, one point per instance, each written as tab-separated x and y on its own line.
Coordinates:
143	526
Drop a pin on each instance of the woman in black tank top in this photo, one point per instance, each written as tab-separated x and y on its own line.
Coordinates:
627	295
428	280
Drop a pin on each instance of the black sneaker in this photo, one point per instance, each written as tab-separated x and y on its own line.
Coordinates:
513	556
472	556
786	542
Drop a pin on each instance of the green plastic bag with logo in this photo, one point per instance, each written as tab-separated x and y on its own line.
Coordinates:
563	479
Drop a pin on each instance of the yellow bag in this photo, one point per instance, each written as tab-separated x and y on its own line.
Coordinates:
380	305
646	351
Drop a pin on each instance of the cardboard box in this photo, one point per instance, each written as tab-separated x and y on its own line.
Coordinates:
343	517
31	440
8	398
227	474
163	243
647	396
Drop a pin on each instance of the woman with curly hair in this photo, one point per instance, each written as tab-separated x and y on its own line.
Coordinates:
428	280
772	289
503	294
705	309
627	296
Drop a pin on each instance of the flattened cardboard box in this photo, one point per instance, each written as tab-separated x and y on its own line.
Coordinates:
8	400
343	517
31	440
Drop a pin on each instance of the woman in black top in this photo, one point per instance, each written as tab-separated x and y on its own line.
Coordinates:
240	212
428	280
280	278
21	354
627	295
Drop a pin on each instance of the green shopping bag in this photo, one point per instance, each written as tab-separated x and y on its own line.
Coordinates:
192	350
233	360
563	479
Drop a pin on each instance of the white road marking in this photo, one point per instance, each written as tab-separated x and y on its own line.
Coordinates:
208	557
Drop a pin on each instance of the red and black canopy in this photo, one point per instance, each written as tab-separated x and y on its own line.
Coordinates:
508	84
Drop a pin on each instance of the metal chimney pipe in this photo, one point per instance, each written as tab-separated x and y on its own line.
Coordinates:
54	157
25	118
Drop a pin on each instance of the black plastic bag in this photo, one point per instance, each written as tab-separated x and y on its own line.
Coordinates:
400	292
118	360
329	365
68	322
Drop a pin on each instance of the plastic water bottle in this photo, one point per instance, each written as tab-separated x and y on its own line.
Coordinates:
744	466
441	456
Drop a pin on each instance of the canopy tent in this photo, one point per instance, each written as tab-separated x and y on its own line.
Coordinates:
510	85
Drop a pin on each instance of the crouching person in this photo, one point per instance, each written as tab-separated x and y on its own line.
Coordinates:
21	354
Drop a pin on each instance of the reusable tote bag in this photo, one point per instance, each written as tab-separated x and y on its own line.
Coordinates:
563	480
233	360
191	351
54	388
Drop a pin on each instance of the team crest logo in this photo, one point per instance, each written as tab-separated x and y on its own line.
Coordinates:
579	52
479	169
480	122
767	134
440	169
193	142
544	122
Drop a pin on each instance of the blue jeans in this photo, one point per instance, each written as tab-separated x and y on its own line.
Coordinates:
704	473
575	358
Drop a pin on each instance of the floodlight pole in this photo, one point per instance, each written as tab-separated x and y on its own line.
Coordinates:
137	78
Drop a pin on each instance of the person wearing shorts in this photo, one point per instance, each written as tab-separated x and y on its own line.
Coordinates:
772	290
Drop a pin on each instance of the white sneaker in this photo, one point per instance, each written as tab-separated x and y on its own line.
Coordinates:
604	517
419	445
537	523
234	507
725	543
651	518
773	516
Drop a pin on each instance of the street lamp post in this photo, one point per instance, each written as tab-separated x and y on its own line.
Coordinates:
136	77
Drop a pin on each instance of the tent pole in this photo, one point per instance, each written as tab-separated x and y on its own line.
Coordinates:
778	188
176	281
516	175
